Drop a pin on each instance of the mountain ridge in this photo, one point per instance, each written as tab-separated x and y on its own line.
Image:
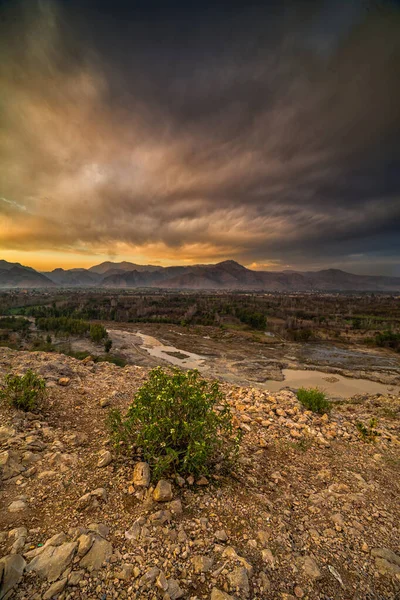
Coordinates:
225	275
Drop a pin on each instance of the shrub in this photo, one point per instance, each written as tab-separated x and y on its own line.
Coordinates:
24	392
314	399
108	344
368	433
181	422
97	333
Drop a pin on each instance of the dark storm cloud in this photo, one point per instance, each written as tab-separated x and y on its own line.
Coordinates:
268	133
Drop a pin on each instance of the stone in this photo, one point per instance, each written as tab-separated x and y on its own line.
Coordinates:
100	529
11	571
17	506
104	402
133	534
6	433
125	573
298	592
311	568
174	591
264	537
141	474
231	553
386	554
221	535
19	535
105	457
160	517
75	576
268	557
150	576
55	589
46	475
162	582
99	553
56	540
175	507
386	568
163	491
53	561
9	465
217	594
202	481
239	581
202	564
85	542
63	381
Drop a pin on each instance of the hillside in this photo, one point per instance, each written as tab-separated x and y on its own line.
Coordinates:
226	275
310	511
15	275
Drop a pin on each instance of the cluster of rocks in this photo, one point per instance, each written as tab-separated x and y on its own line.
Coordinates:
309	510
281	415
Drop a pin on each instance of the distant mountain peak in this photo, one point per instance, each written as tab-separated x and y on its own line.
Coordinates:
225	275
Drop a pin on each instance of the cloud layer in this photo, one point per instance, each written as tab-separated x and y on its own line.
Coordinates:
269	135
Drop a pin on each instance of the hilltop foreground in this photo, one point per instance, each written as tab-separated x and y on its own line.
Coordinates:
311	510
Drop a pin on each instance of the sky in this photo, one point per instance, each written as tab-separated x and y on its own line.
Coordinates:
190	132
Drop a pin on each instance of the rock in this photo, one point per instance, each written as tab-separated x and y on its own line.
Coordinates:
268	557
202	564
79	438
55	589
53	561
141	474
19	536
75	576
386	568
239	581
162	582
105	457
202	481
125	573
230	552
216	594
17	506
180	481
9	465
150	576
221	535
104	402
63	381
264	537
311	568
163	491
6	433
11	571
134	532
91	499
99	553
85	542
298	592
386	554
160	517
175	507
174	591
100	529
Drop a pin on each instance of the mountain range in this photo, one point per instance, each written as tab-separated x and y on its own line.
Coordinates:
228	275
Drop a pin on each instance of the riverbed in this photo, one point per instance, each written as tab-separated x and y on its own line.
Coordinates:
145	349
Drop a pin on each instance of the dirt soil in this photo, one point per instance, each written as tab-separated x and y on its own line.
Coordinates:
311	510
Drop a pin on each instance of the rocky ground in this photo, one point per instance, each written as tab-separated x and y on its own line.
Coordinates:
311	510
